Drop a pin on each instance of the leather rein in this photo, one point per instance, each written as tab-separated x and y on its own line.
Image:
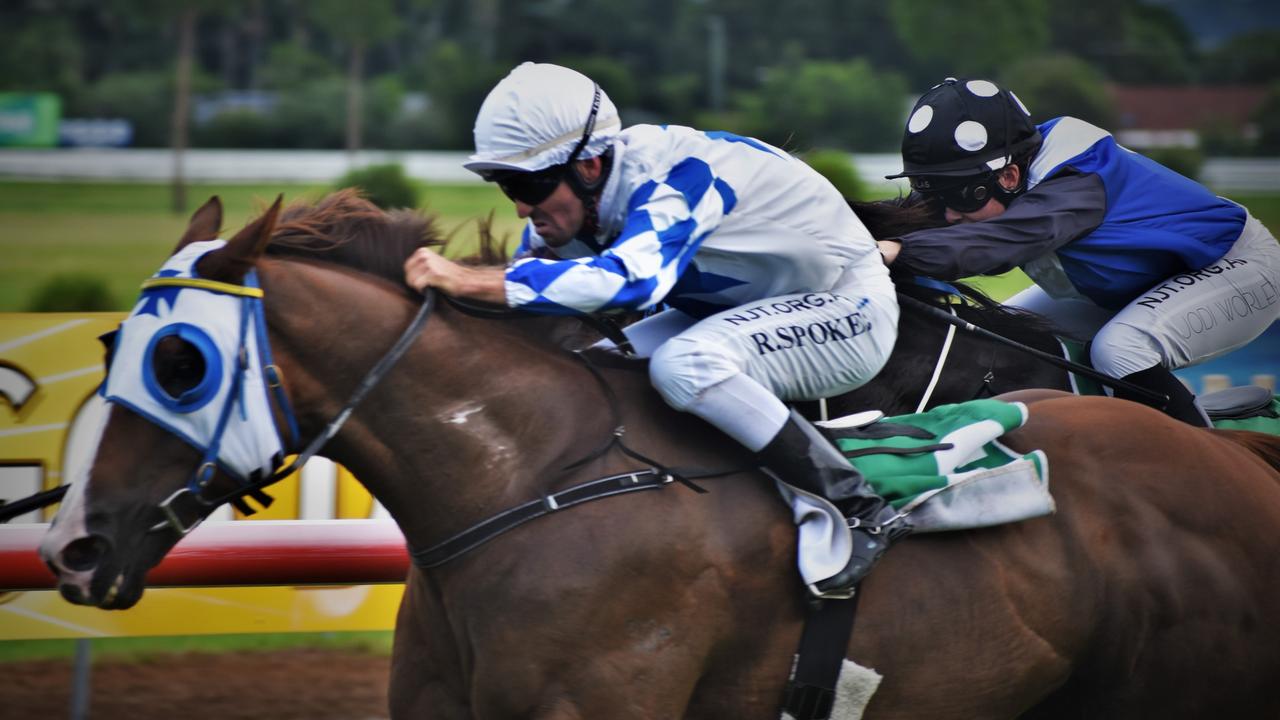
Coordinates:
655	475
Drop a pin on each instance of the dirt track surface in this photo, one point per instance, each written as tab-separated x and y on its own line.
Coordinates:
284	684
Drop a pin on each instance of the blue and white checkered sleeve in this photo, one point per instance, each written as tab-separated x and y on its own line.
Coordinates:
666	222
527	242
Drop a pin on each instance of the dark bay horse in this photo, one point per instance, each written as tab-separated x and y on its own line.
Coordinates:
932	364
1152	592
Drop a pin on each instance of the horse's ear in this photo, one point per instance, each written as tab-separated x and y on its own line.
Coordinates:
204	224
230	263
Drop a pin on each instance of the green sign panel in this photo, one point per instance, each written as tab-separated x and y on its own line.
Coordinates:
29	119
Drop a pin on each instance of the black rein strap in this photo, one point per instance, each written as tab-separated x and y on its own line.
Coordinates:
1050	358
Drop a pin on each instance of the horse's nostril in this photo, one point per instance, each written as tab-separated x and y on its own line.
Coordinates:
84	554
71	594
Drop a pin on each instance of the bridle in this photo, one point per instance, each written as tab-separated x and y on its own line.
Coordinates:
183	510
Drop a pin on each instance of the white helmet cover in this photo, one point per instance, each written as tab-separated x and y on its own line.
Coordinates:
536	115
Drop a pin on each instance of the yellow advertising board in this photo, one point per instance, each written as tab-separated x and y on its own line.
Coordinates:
50	368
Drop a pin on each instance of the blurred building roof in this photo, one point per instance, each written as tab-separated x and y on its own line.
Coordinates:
1171	115
1177	107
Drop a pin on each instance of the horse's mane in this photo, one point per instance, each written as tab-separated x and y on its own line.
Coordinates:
346	229
895	217
899	216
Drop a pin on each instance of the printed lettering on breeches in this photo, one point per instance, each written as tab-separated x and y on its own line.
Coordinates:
805	330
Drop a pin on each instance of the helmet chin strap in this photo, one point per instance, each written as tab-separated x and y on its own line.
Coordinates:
589	192
1005	196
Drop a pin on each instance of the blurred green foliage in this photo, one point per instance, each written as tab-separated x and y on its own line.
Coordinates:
837	167
825	104
1268	119
1183	160
385	185
72	292
973	38
1055	85
807	74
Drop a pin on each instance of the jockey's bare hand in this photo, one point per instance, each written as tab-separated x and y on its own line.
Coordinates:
889	250
427	268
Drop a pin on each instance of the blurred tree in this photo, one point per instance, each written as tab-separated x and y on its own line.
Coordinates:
1268	119
1252	58
614	76
970	39
42	54
1055	85
457	82
838	168
658	59
678	94
1157	49
1186	161
826	104
1129	40
181	101
72	292
386	186
360	27
291	65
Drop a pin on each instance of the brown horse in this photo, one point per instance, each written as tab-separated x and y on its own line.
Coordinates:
1152	592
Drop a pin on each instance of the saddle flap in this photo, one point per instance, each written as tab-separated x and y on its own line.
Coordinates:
1245	401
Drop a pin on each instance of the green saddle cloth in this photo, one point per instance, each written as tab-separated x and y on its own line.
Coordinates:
908	458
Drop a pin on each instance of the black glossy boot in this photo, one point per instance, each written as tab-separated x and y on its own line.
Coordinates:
1182	403
802	456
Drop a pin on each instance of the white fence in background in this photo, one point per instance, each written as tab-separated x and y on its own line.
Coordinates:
324	166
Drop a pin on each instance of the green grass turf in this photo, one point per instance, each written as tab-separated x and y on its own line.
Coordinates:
147	648
120	233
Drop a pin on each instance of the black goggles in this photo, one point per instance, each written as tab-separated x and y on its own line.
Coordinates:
964	195
530	188
533	188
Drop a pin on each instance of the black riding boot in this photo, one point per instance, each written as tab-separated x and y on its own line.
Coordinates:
802	456
1182	403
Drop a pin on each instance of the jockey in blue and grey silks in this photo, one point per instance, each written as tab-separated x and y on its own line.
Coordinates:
1151	267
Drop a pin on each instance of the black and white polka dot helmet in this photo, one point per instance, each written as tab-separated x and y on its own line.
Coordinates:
965	127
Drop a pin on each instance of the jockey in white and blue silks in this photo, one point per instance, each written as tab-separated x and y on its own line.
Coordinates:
771	287
1153	268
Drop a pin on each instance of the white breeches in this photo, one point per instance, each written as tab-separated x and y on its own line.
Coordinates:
1188	319
735	368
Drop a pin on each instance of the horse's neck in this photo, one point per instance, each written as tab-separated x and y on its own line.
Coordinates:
970	366
472	416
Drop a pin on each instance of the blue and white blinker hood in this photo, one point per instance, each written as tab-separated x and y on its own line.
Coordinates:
227	414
